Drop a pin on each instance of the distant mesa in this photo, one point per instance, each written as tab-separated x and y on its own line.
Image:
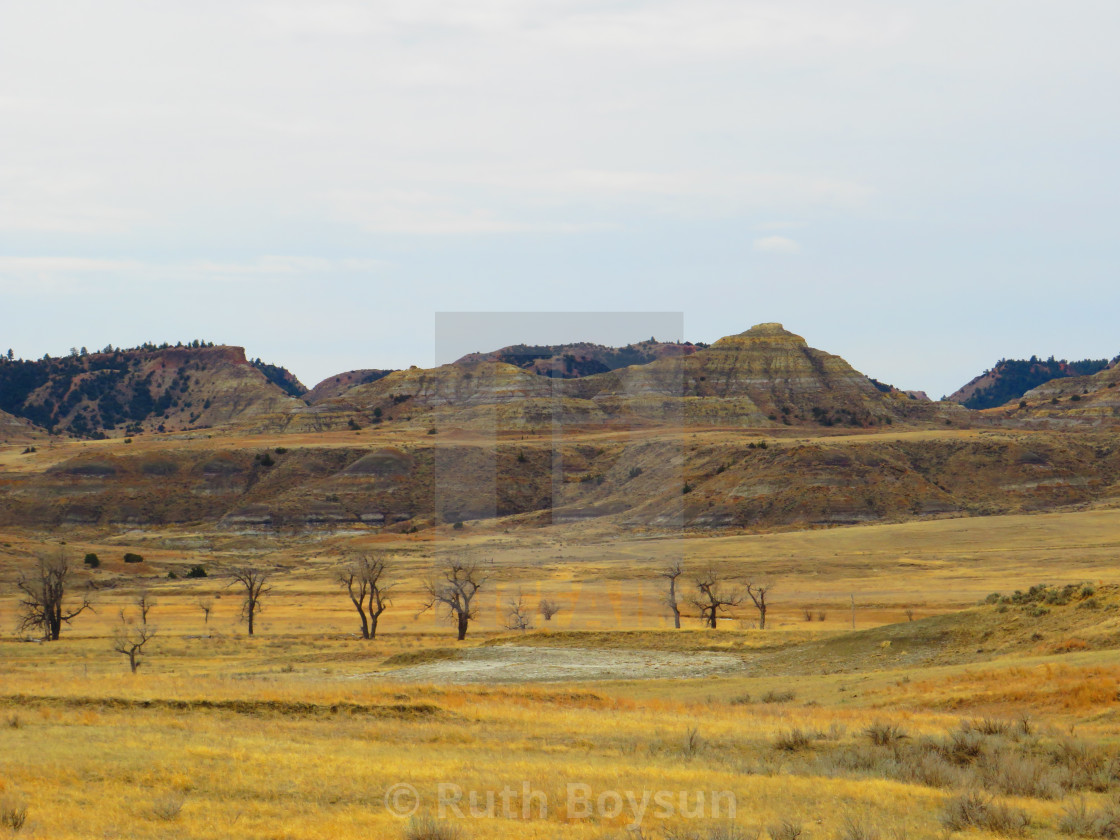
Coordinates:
144	389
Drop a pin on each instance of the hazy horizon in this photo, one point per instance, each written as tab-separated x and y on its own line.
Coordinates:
452	348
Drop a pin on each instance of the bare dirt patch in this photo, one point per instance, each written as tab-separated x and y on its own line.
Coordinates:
520	664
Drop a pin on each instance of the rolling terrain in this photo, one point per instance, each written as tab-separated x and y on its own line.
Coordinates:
960	677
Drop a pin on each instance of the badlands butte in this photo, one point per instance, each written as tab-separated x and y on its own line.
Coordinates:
756	432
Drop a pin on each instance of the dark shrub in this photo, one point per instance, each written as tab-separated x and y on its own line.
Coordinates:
974	810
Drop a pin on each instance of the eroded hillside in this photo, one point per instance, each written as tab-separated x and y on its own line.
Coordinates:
666	480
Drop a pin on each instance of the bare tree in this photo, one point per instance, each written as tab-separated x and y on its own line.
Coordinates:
130	638
364	579
144	602
207	606
548	608
671	572
518	615
714	597
758	593
254	581
43	593
454	589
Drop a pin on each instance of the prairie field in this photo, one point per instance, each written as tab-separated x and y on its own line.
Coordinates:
940	710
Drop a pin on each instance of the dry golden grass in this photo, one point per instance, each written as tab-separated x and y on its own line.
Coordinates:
92	755
288	735
86	762
285	736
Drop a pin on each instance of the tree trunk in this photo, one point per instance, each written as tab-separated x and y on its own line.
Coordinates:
463	619
712	618
372	627
251	611
132	663
762	618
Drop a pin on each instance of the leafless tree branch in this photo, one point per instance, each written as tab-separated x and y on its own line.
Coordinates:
453	589
254	581
671	573
713	597
364	579
42	597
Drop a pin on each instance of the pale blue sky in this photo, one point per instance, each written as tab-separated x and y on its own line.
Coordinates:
919	187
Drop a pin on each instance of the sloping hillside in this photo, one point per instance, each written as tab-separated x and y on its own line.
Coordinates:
15	429
724	481
1080	399
1044	619
335	386
1010	379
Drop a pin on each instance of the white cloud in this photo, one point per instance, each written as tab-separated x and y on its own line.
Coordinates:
776	245
423	213
37	199
708	27
18	265
34	276
318	19
739	188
